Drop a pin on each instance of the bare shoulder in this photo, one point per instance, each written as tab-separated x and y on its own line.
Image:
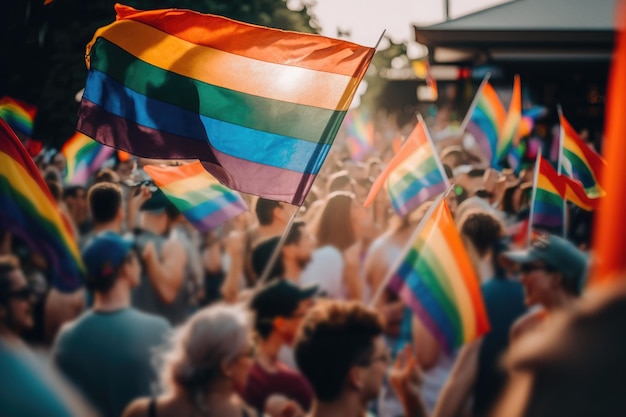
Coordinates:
527	323
138	408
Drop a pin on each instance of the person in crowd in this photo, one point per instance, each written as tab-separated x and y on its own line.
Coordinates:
16	302
335	266
477	372
209	360
341	351
552	272
75	198
340	181
105	207
106	351
278	310
162	290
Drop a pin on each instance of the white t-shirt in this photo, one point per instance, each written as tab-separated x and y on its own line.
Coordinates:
326	271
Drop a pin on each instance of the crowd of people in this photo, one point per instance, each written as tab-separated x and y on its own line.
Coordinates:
239	322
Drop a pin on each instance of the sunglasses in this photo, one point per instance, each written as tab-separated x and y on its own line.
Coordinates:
23	294
528	268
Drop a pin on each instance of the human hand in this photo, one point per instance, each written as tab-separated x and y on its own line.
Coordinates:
406	376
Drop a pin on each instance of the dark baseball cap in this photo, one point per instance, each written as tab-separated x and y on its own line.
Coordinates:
104	254
280	298
558	253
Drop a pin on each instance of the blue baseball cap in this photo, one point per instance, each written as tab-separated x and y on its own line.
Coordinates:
104	254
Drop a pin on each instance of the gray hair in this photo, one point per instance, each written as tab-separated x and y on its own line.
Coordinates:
211	337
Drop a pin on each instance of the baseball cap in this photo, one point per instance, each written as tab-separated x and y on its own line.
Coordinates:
104	254
558	253
280	298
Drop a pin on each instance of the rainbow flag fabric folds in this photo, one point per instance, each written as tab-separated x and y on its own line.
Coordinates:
84	157
29	212
509	136
259	107
437	281
487	120
18	115
551	190
360	134
197	194
413	176
579	161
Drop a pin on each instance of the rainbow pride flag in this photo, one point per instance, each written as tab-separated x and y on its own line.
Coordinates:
413	176
508	139
487	120
438	283
29	212
360	134
18	115
84	157
551	189
579	161
259	107
197	194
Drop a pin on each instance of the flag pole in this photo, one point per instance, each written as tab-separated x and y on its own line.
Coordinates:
407	247
380	39
435	153
532	200
560	165
473	104
277	250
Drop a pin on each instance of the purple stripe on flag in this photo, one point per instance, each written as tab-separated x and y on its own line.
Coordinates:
549	220
481	139
420	197
217	218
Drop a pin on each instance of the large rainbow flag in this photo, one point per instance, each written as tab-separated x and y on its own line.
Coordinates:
259	107
437	281
84	157
28	211
414	175
197	194
19	115
551	189
487	121
579	161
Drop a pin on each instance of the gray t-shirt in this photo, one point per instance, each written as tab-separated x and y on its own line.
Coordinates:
108	356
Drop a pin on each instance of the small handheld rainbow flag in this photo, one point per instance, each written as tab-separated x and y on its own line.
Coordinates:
84	157
197	194
29	212
259	107
551	189
438	283
485	120
414	175
508	139
360	134
18	115
579	161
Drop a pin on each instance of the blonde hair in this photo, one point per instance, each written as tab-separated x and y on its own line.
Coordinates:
211	337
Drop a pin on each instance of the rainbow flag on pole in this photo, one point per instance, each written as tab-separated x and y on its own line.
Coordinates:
29	212
18	115
487	120
551	189
84	157
437	281
509	136
197	194
259	107
414	175
579	161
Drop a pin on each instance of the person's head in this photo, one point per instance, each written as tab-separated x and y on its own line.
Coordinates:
551	265
299	245
483	229
340	181
106	175
452	156
105	203
110	259
213	345
75	197
16	298
59	162
269	211
340	350
279	308
340	221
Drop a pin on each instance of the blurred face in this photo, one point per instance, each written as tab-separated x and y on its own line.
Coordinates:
539	283
289	326
17	315
77	206
374	370
238	369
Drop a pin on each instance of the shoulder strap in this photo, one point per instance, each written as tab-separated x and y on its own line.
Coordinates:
152	407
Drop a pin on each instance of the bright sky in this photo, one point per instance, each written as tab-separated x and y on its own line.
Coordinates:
366	19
